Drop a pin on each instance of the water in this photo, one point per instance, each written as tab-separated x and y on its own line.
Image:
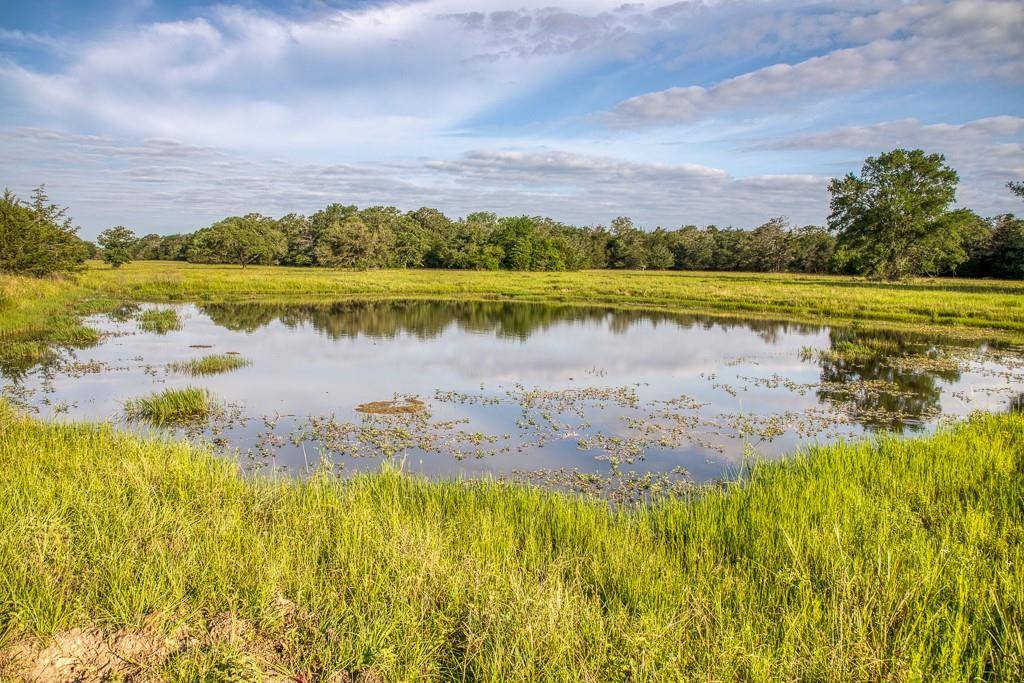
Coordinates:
588	398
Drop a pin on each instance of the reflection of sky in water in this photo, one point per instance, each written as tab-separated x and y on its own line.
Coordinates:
326	360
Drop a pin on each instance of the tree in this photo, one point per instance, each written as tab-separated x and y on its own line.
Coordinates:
147	248
891	220
812	249
1006	248
1016	188
355	242
244	240
37	237
300	239
117	244
628	246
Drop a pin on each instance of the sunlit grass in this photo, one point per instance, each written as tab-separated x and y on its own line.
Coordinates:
159	320
40	316
209	365
949	304
171	406
894	560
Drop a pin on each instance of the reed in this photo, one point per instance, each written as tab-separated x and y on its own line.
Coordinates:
209	365
171	406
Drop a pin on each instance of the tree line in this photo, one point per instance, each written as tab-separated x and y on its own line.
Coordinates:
891	221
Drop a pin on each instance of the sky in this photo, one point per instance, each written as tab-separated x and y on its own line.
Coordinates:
167	116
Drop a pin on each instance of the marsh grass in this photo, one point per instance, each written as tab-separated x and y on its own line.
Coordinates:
209	365
159	320
889	560
171	406
966	306
41	317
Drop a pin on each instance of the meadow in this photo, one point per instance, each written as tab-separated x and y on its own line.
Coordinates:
994	306
131	557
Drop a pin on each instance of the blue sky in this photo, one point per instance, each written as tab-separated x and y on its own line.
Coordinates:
164	116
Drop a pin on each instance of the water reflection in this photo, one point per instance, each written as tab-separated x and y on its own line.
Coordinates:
857	370
564	392
887	380
426	319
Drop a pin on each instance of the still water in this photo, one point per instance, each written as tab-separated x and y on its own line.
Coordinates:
586	398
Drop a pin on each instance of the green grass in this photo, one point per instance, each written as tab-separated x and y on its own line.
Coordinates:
171	406
209	365
989	307
892	560
159	320
38	317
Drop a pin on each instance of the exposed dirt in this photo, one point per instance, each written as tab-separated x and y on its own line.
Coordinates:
398	406
88	654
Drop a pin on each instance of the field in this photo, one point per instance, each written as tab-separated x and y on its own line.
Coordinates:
136	558
890	561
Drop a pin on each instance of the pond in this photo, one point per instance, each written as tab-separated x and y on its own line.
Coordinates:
615	402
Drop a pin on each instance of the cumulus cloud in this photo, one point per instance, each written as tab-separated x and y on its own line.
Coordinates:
919	42
986	152
478	104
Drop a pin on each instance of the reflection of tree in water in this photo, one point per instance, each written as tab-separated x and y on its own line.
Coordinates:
1017	404
427	319
858	359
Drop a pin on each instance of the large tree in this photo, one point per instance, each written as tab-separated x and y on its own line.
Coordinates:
37	237
892	219
244	240
117	244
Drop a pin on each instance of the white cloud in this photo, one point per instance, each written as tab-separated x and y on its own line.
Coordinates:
917	43
986	152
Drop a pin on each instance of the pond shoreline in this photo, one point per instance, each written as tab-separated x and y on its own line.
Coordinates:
115	536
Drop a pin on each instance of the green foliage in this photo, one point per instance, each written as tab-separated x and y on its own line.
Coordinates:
890	560
244	240
1006	248
892	220
37	238
159	320
209	365
171	406
117	244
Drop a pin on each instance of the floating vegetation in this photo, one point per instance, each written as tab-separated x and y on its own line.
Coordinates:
397	406
159	320
618	487
171	406
209	365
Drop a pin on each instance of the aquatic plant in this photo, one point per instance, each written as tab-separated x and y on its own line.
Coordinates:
398	406
209	365
159	320
171	406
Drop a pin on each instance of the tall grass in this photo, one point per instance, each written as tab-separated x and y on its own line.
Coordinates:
159	320
171	406
209	365
893	560
40	316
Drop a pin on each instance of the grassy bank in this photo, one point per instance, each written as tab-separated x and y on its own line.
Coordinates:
957	304
895	560
39	315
